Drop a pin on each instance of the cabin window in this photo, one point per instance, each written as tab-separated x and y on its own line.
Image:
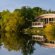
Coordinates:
46	20
50	19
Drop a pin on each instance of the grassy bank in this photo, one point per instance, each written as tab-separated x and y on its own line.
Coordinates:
34	30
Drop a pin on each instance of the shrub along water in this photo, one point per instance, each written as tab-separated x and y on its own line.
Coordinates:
49	31
34	30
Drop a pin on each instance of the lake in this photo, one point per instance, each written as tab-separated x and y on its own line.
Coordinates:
22	44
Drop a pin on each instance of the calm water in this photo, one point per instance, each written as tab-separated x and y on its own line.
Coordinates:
13	44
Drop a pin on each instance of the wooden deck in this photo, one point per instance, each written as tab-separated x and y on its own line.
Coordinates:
37	24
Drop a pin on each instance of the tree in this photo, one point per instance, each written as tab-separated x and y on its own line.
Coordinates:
27	13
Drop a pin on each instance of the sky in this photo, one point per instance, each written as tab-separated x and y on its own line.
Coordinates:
14	4
39	50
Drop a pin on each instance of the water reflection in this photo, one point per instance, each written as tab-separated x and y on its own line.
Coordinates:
14	41
44	40
24	42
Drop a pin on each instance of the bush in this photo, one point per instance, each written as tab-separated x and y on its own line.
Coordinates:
34	30
49	31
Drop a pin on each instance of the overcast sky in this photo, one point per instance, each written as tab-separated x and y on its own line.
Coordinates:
13	4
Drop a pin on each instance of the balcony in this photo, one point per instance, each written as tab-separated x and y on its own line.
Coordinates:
37	24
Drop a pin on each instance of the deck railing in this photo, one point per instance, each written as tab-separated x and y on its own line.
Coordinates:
37	24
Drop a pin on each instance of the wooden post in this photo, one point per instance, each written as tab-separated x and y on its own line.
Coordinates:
48	20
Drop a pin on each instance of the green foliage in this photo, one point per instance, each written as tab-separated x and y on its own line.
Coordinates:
27	12
34	31
20	19
49	31
14	41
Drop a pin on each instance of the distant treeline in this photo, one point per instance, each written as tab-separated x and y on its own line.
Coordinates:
20	19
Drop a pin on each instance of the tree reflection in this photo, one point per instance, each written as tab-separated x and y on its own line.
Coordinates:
14	41
50	37
28	45
20	41
0	41
47	40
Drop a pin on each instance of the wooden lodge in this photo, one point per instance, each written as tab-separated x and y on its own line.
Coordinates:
43	19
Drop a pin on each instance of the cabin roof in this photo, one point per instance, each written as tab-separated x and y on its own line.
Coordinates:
47	16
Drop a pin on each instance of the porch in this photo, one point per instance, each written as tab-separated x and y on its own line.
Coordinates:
37	24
